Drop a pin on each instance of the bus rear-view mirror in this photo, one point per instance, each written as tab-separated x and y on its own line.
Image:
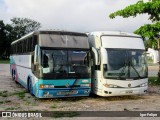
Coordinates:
96	56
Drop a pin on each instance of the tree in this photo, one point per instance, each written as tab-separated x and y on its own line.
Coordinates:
2	37
13	31
10	37
148	31
22	26
152	8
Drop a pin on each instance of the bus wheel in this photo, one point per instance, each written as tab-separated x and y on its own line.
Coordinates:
30	88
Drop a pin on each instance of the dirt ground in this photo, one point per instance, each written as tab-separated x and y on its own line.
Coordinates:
13	97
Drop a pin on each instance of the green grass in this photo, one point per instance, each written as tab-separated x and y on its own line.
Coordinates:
4	93
7	101
20	94
27	103
12	108
53	106
4	61
154	81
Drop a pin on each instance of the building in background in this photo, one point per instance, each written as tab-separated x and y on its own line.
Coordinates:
152	56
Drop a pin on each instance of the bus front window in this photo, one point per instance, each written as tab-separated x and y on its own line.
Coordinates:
78	61
71	62
54	61
125	64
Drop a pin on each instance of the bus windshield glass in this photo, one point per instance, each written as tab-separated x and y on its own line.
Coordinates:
65	63
125	64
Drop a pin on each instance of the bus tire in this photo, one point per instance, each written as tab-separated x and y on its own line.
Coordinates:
30	88
93	95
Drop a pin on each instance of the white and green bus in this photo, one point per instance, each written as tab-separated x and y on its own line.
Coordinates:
52	64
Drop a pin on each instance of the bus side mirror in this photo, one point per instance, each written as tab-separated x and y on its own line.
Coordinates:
104	55
96	56
36	54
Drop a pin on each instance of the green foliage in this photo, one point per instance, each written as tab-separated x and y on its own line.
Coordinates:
4	61
22	26
151	8
3	37
153	44
154	81
148	32
10	32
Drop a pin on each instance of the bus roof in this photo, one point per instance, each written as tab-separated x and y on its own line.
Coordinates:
60	32
114	33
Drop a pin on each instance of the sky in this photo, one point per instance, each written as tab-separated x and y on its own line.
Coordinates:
73	15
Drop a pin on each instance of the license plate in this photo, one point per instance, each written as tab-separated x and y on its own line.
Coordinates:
64	93
129	91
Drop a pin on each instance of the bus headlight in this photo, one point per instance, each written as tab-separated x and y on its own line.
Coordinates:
46	86
85	81
144	84
110	86
85	85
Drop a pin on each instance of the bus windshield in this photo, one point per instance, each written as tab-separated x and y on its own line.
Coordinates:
65	63
125	64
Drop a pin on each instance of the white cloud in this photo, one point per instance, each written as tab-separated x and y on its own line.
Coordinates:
76	15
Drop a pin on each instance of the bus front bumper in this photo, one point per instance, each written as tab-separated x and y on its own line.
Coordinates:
124	91
46	93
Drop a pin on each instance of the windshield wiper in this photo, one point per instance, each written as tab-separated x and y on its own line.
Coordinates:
135	70
131	65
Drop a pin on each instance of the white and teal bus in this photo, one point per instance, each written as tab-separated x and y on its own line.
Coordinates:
52	64
119	64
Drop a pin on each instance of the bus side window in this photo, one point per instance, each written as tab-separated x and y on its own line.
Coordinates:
29	44
24	46
32	42
20	50
17	50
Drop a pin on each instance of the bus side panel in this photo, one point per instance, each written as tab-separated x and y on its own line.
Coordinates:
21	66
